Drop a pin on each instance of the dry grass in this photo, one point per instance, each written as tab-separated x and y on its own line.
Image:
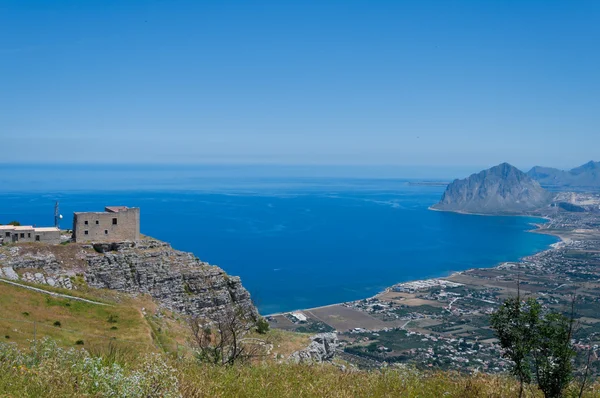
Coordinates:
285	343
270	378
68	321
137	334
59	374
286	380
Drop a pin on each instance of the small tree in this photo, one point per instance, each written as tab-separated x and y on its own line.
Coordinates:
223	339
535	340
515	323
14	223
553	354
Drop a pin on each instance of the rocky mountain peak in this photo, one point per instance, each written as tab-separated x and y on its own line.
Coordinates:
504	170
500	189
585	177
588	167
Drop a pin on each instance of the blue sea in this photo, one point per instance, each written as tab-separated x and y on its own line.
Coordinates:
296	242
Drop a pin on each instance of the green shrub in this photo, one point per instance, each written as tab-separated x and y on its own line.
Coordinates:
112	318
262	325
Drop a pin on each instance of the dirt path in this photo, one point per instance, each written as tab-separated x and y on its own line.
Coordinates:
35	289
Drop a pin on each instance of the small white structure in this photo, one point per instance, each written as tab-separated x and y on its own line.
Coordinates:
27	233
299	316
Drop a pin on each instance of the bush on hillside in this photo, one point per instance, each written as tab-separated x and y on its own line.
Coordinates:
262	326
47	367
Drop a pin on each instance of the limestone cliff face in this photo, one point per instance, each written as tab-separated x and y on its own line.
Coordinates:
501	189
322	348
175	279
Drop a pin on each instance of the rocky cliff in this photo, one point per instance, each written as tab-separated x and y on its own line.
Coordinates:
501	189
177	280
321	349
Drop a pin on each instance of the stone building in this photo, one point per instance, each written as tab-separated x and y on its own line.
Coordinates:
114	224
27	233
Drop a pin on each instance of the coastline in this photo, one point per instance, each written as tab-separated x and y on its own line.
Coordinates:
538	229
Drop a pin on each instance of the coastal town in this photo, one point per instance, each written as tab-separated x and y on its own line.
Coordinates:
443	323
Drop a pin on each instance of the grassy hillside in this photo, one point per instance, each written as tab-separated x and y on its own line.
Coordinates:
47	370
25	314
128	323
128	352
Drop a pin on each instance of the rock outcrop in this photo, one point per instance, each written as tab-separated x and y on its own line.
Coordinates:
321	349
177	280
501	189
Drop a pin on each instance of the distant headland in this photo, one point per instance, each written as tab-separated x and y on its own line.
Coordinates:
500	189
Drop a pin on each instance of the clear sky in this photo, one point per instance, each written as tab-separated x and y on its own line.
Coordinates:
423	83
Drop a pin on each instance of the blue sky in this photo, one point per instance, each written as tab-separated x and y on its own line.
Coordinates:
401	83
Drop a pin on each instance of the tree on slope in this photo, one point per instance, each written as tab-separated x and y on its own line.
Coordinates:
225	338
553	354
537	342
515	323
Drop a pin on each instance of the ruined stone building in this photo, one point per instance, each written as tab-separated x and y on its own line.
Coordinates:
27	233
114	224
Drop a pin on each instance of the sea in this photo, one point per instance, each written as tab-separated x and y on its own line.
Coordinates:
296	242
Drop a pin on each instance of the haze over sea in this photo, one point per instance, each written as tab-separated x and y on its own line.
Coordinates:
296	242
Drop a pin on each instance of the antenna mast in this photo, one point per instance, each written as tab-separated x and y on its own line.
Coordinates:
56	215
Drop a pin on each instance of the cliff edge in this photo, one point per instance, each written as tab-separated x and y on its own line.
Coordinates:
500	189
177	280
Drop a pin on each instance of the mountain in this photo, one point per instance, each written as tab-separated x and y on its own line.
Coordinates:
548	174
501	189
585	176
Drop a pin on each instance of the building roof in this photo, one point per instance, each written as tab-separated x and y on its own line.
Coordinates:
115	209
27	228
24	228
107	209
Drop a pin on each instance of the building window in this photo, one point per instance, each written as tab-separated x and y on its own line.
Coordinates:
106	232
23	235
85	232
29	235
37	238
97	222
8	234
114	221
86	223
